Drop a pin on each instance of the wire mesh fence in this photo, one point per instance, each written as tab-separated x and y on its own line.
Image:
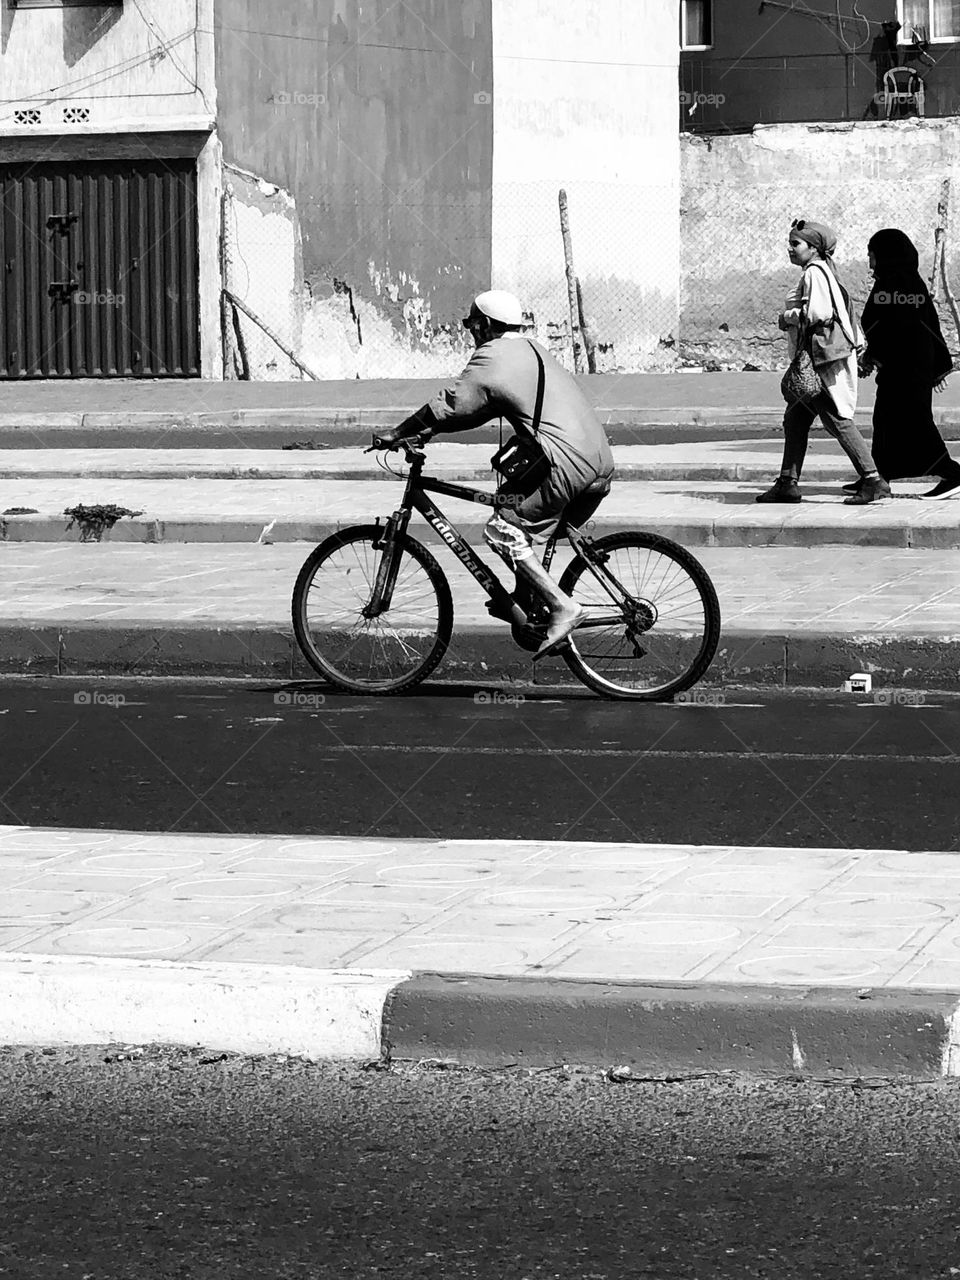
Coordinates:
355	318
735	275
648	278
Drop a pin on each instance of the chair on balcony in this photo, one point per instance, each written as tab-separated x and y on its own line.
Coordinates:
902	87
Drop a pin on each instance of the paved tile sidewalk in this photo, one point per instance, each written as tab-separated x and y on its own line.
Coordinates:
697	513
755	460
866	590
840	917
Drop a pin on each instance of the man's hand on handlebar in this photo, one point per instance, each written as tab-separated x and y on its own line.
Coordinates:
390	440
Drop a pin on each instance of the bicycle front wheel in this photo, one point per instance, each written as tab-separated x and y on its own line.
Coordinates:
653	630
360	654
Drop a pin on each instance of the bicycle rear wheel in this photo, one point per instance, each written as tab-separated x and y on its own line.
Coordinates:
656	634
386	654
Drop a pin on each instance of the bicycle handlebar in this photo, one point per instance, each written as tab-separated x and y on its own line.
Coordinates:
412	446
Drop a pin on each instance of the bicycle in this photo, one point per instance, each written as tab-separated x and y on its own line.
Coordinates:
373	611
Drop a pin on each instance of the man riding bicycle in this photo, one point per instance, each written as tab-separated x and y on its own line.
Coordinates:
510	377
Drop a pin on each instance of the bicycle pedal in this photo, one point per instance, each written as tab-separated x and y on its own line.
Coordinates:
495	612
527	637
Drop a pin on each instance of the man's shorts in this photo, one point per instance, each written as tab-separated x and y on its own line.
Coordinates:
514	531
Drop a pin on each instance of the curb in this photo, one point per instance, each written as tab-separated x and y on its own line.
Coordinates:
756	472
655	1029
270	428
936	527
482	654
637	1028
54	1000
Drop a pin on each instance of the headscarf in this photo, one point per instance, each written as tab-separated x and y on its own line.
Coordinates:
818	235
822	238
900	320
896	255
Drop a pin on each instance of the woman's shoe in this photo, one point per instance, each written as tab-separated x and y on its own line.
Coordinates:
783	490
853	487
870	491
945	489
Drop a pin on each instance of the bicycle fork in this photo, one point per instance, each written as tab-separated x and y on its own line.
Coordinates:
388	539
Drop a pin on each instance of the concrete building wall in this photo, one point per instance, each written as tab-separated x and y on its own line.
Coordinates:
741	193
375	118
107	81
585	99
127	62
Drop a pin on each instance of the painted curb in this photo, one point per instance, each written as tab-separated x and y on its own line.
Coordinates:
664	1030
53	1000
483	654
641	1028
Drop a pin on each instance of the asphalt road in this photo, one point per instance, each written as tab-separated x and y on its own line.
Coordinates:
181	1164
776	770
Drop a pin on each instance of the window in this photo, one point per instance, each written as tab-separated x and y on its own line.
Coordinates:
696	24
934	19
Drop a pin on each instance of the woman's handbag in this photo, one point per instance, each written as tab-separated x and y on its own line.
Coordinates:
521	463
801	383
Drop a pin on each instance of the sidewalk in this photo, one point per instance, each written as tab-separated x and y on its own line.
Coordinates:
695	513
644	958
257	414
789	618
755	460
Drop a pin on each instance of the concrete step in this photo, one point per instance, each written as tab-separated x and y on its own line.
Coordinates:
225	610
751	460
695	514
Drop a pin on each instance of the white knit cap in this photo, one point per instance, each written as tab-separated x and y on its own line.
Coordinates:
497	304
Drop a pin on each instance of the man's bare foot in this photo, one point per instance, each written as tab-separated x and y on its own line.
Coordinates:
561	622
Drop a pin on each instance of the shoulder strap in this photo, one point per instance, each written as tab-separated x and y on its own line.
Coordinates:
541	377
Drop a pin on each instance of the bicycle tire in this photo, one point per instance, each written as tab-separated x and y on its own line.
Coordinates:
308	636
699	652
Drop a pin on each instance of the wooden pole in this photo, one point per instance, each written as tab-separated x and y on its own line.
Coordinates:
241	341
273	336
226	311
943	219
938	237
571	283
589	336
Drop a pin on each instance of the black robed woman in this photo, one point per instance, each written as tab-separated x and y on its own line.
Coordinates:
905	345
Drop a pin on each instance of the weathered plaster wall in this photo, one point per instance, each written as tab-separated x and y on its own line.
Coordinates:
365	112
117	61
585	98
264	268
740	194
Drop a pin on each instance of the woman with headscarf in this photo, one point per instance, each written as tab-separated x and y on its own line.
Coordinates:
822	305
906	347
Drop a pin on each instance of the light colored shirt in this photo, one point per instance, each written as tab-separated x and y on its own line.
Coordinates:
501	381
818	292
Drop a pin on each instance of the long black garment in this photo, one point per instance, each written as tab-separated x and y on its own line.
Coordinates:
903	335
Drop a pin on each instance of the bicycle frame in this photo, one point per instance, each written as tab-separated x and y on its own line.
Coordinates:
415	498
